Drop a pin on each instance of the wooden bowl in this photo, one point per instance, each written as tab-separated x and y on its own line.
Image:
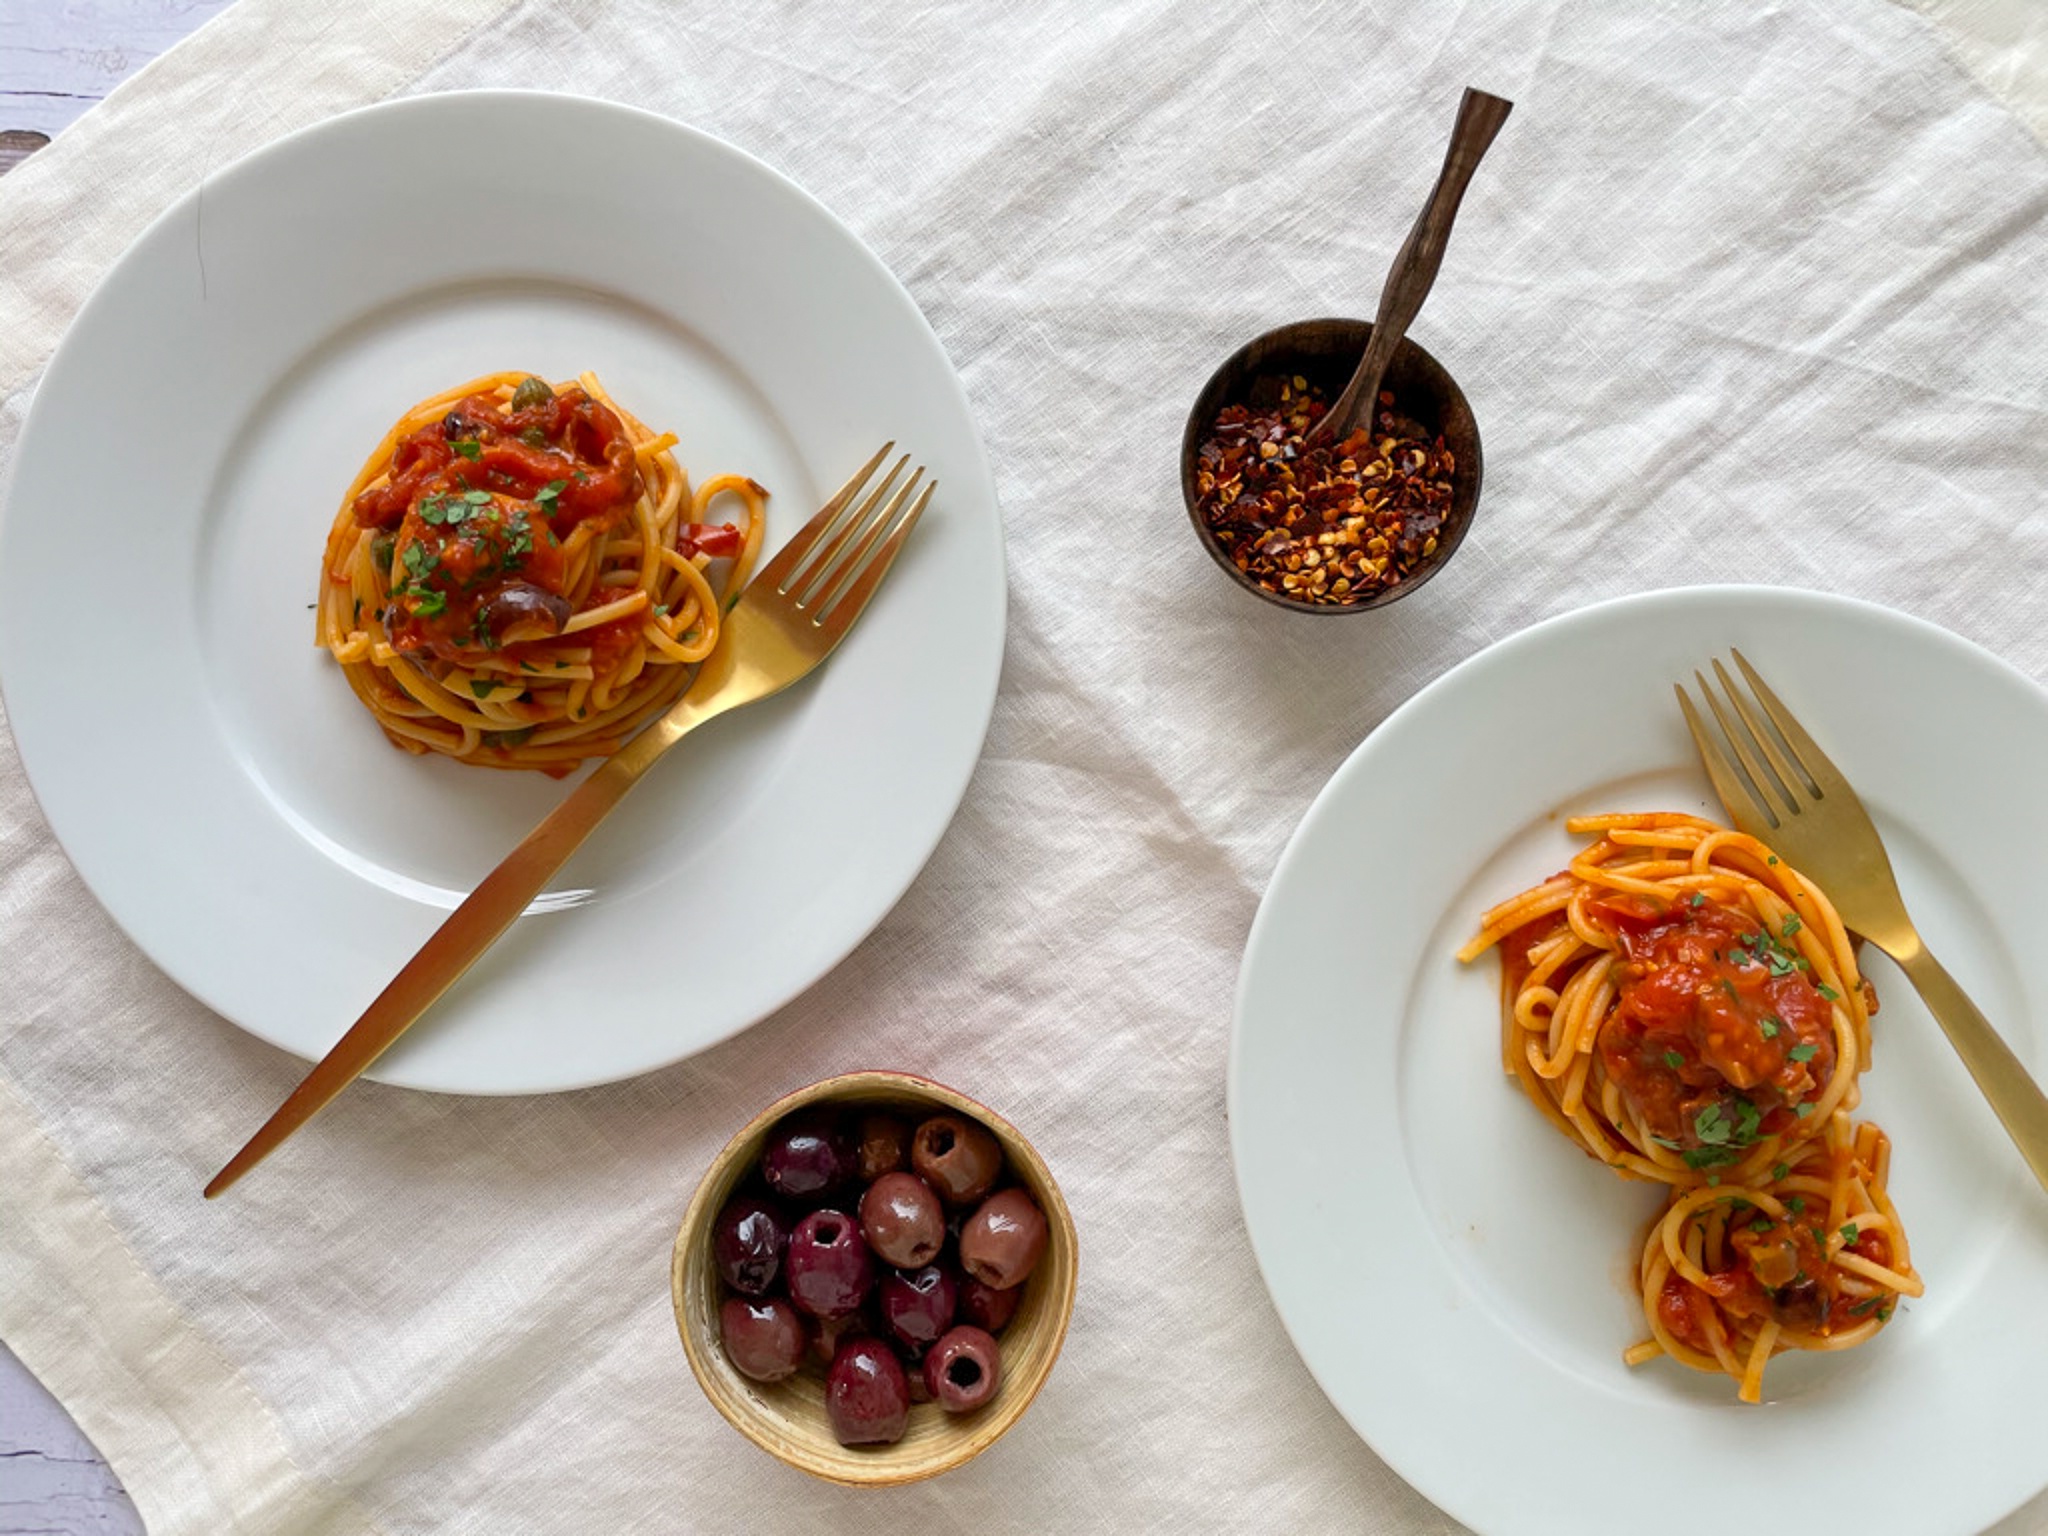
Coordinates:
787	1418
1325	352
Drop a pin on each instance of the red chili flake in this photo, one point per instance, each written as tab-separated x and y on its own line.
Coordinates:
1331	525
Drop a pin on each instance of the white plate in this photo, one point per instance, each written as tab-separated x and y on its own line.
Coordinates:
1458	1277
206	767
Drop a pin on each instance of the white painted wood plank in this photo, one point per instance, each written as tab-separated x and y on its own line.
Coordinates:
52	1481
58	57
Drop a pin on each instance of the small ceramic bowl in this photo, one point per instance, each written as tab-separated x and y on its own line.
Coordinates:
1325	352
787	1418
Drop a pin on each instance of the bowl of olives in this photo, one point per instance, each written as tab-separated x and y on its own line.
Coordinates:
874	1278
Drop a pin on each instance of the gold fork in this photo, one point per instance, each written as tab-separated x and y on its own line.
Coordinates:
787	620
1788	794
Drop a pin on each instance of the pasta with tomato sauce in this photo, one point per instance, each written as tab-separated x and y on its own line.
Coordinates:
521	576
1688	1010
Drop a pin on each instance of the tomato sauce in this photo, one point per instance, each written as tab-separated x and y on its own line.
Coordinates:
1777	1270
1719	1035
474	513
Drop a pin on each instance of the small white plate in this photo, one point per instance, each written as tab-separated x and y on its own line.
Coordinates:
1460	1279
206	766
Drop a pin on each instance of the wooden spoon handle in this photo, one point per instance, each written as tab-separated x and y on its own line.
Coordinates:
1414	271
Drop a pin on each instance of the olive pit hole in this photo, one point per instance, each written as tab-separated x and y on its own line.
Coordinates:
964	1371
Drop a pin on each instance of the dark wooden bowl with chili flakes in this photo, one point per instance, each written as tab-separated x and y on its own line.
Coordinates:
1262	541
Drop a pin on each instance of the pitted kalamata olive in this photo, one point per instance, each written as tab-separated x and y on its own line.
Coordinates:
917	1307
764	1338
963	1370
829	1333
808	1157
748	1243
521	611
988	1308
884	1146
866	1394
456	426
902	1221
956	1157
829	1267
1003	1240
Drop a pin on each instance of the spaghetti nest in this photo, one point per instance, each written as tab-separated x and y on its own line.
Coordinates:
521	576
1687	1008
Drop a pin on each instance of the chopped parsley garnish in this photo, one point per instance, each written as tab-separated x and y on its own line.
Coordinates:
545	497
418	563
1802	1052
1770	1024
426	603
1849	1232
1699	899
1884	1314
477	498
1803	1111
1830	993
1673	1060
1796	1204
469	448
1747	1119
1779	1170
1772	859
483	687
1710	1157
1729	987
1792	926
1712	1125
1864	1307
507	738
1762	1224
1664	1141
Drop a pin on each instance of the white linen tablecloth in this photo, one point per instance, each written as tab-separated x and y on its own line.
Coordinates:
1744	293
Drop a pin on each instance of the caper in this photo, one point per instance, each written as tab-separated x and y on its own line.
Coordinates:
531	392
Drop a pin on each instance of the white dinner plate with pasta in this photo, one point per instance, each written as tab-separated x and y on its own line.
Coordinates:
1816	1306
414	489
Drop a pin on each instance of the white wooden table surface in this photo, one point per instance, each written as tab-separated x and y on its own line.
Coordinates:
58	57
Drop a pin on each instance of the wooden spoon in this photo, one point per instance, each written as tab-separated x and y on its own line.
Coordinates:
1414	271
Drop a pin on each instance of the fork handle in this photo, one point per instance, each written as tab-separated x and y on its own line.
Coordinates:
464	934
2014	1096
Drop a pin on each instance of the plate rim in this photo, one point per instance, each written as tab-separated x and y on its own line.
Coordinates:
1451	1498
100	880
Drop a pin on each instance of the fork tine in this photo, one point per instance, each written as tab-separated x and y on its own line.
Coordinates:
1759	776
806	538
830	584
869	576
803	580
1819	769
1789	773
1729	785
